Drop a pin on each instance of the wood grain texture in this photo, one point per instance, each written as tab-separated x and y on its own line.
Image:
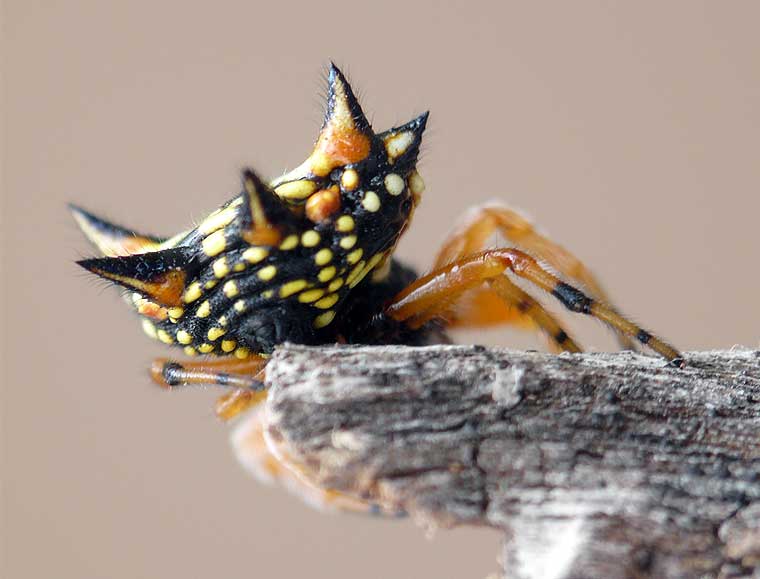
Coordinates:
593	465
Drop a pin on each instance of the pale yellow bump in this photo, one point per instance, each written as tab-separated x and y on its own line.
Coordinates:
335	284
164	336
190	351
310	238
327	302
310	295
255	254
359	277
239	306
416	184
394	184
290	242
184	337
371	202
292	287
266	273
349	179
344	223
355	256
203	310
149	328
230	289
220	267
215	333
206	348
323	320
242	353
192	293
398	144
267	294
176	312
217	220
210	284
228	345
354	273
381	273
296	189
320	163
323	257
371	264
348	241
215	243
222	320
327	273
238	267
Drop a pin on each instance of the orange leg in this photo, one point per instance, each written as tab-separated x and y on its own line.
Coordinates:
241	375
431	295
473	234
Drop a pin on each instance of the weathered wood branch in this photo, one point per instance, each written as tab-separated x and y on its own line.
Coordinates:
593	465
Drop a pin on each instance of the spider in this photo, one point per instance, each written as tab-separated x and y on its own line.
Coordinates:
308	258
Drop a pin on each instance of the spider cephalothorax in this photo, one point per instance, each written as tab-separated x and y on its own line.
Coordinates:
277	262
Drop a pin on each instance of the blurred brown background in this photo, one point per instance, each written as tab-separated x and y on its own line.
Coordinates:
630	131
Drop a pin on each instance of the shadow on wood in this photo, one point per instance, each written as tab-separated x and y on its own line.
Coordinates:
593	465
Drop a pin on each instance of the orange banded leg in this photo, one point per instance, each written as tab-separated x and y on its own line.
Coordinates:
473	234
432	294
241	375
533	310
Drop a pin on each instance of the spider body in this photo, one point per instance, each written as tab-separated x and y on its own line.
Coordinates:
308	259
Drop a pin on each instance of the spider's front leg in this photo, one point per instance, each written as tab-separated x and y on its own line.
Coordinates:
471	236
432	295
244	377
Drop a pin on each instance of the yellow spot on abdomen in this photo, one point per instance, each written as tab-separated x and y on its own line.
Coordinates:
255	254
323	257
242	353
290	242
325	319
349	179
397	145
184	337
416	184
217	220
203	310
292	287
230	289
310	238
267	273
205	348
149	328
220	267
348	241
344	223
228	345
215	243
192	293
190	351
394	184
327	302
355	256
310	295
215	333
371	201
327	273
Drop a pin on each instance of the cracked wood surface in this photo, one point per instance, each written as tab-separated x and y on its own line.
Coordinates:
593	465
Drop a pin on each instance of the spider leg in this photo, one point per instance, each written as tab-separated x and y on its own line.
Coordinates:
432	294
241	375
472	235
267	459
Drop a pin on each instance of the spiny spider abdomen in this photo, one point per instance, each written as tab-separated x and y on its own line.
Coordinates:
278	262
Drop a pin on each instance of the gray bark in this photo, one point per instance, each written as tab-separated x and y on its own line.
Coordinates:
592	465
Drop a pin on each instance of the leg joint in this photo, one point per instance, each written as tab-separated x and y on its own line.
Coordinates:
573	299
